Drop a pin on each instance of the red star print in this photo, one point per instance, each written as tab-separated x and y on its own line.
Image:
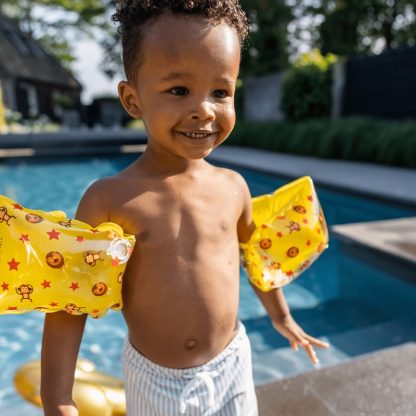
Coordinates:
280	217
13	264
53	304
74	286
80	239
265	257
264	226
289	273
93	230
46	284
12	308
95	311
279	234
17	206
5	286
305	221
24	238
115	262
53	235
308	243
310	198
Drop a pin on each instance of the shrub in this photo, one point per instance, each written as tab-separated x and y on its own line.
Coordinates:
361	139
307	87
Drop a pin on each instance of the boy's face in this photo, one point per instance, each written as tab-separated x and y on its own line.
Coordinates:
185	85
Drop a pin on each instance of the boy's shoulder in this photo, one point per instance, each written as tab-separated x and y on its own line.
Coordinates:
96	203
227	173
107	187
103	187
230	176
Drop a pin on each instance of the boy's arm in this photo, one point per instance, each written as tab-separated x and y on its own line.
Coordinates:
62	332
274	301
282	320
62	335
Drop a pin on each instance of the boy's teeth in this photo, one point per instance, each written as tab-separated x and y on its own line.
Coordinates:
196	135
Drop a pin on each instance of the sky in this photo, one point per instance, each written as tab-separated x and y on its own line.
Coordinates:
87	71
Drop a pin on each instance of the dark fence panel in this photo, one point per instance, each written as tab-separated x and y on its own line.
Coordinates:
383	85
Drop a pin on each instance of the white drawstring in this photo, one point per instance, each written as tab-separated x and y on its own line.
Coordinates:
207	379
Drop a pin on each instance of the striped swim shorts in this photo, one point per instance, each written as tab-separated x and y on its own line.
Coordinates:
223	386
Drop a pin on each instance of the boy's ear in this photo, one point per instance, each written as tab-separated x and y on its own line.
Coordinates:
129	100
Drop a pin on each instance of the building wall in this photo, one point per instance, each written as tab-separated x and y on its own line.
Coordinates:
262	97
9	93
32	99
382	86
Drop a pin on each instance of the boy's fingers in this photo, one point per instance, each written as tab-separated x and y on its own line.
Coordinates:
311	353
294	345
317	342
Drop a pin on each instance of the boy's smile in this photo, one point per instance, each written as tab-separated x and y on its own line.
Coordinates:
184	89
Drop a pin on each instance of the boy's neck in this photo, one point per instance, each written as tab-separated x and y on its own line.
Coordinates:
169	164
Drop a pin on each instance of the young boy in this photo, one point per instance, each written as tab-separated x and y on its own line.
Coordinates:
186	352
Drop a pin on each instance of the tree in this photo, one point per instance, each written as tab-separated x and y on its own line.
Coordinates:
56	24
355	26
267	49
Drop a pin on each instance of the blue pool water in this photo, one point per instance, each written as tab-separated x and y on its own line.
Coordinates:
358	308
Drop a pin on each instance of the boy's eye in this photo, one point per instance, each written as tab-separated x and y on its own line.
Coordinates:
179	91
220	94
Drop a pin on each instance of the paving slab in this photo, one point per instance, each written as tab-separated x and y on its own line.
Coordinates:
389	244
378	384
393	237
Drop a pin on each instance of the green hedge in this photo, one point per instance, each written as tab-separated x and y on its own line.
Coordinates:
306	89
361	139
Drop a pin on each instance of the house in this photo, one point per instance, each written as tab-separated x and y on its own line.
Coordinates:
32	80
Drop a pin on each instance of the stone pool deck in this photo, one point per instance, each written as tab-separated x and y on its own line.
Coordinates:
382	383
389	244
379	384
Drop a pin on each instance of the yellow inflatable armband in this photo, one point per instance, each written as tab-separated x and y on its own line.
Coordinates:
51	263
290	235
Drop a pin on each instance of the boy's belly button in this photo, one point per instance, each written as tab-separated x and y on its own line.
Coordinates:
190	344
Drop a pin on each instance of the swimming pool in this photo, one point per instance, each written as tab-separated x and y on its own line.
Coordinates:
356	307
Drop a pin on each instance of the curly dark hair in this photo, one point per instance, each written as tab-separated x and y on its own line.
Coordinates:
134	14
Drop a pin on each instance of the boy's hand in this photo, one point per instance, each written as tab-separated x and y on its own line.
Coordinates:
68	410
62	410
297	337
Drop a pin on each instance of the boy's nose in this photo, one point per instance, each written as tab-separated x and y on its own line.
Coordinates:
203	110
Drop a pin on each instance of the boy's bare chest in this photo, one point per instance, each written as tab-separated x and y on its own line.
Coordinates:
180	215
